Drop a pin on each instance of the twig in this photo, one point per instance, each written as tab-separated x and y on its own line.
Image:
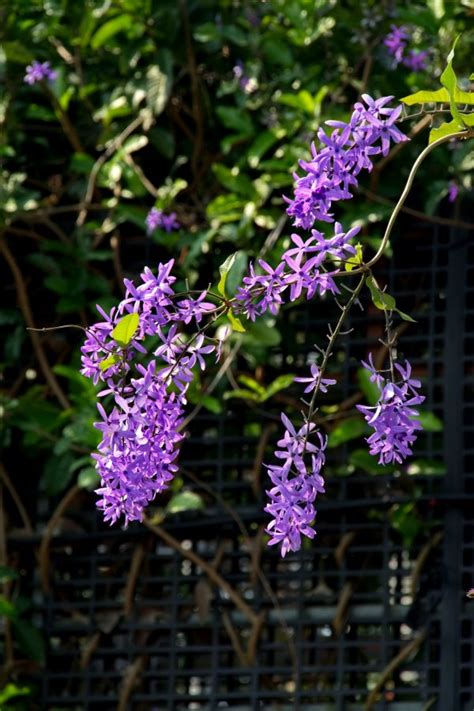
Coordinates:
448	221
111	148
421	560
129	680
403	654
212	574
134	570
43	557
406	190
25	308
18	502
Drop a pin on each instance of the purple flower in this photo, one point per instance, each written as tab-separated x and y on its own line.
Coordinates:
38	71
453	191
396	41
296	483
416	60
248	84
393	418
316	380
157	219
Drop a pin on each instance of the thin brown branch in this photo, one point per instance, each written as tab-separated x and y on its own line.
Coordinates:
24	304
132	577
18	502
421	560
132	672
114	144
212	574
406	651
43	553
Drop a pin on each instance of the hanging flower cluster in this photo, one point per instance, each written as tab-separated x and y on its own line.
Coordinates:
141	432
393	418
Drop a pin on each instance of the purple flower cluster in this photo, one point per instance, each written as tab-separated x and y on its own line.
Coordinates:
396	44
393	418
296	483
348	149
246	83
141	433
308	267
38	71
157	219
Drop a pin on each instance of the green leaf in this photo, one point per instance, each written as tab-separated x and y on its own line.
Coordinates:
446	129
7	609
109	362
88	479
231	271
158	89
236	119
7	574
110	28
125	329
184	501
440	96
235	323
241	394
29	640
260	146
11	691
362	459
380	299
449	81
280	383
426	467
355	260
405	519
369	388
405	317
347	430
429	421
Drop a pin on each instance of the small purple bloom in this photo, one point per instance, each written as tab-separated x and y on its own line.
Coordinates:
157	219
38	71
316	380
453	191
416	60
393	418
396	41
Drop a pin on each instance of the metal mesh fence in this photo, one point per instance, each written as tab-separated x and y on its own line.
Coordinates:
364	617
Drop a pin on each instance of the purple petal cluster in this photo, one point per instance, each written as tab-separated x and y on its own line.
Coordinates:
316	380
332	171
296	483
396	43
136	457
393	418
158	219
38	71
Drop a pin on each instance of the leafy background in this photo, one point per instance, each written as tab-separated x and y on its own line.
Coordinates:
147	111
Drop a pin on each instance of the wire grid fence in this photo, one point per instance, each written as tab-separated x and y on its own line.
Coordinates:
359	619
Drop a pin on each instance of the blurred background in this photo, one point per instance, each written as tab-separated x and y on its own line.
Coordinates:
203	109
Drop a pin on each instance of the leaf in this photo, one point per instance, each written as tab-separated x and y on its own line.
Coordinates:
158	89
426	467
380	299
241	394
235	323
224	269
252	384
429	421
347	430
109	362
426	97
88	479
110	28
7	609
407	522
125	329
449	81
260	146
29	640
11	691
236	119
446	129
7	574
184	501
280	383
355	260
362	459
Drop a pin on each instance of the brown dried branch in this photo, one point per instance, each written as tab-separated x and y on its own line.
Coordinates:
421	560
406	651
25	308
207	568
43	553
16	498
132	577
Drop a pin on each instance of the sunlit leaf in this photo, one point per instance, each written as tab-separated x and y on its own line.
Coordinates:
125	329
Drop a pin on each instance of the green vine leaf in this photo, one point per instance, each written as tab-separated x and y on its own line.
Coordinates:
235	323
384	301
125	330
109	362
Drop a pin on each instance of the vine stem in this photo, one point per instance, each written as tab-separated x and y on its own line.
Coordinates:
327	353
406	190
